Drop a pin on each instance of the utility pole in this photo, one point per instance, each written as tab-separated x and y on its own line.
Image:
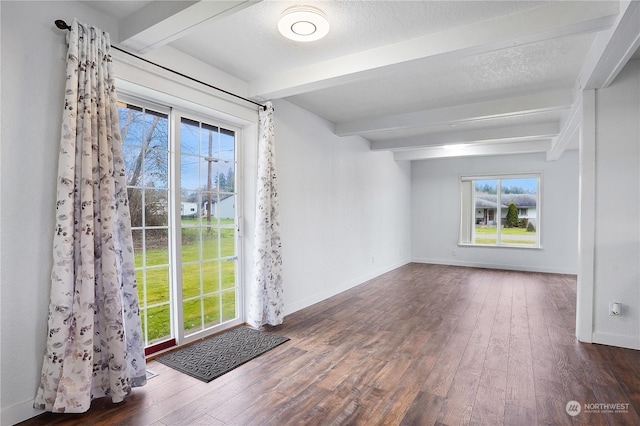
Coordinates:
210	161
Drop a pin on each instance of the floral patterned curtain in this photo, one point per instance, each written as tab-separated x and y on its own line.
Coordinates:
94	345
266	303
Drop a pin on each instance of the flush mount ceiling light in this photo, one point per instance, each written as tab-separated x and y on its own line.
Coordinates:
303	23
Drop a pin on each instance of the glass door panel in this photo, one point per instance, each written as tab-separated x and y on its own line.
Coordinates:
145	147
208	225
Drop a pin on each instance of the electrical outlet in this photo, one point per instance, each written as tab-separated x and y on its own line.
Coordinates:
454	252
615	308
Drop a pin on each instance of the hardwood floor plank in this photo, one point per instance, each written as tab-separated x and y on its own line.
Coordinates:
546	370
541	346
521	390
494	379
424	410
458	404
342	371
571	373
346	406
279	409
390	374
205	420
394	406
623	413
488	407
516	415
439	379
497	357
551	402
624	365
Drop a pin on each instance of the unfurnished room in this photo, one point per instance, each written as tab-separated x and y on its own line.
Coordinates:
336	212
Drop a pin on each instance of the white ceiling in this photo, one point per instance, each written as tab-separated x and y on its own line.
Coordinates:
410	76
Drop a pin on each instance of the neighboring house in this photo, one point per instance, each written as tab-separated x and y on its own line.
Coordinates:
188	210
486	207
224	208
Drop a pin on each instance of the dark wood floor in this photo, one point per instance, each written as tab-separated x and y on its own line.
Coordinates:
421	345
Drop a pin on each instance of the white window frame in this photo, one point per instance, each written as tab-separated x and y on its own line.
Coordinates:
466	235
138	95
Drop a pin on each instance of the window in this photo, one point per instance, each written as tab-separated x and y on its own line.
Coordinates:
500	211
181	180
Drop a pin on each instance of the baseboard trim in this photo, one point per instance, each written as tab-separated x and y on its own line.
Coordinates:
18	413
319	297
525	268
629	342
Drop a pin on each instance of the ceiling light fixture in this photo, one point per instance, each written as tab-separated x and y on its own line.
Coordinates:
303	23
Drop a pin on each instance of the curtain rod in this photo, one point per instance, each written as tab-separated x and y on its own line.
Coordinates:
63	26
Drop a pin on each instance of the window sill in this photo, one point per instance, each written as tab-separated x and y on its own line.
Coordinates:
511	246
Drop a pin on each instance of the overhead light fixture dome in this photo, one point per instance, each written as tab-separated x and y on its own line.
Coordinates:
303	23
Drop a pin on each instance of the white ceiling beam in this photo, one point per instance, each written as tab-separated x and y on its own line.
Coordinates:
569	129
612	49
547	22
610	52
501	108
161	22
501	134
473	150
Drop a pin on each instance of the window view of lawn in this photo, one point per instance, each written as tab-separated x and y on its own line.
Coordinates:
208	277
489	235
205	268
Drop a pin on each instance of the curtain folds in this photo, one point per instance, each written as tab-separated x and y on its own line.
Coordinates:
94	344
266	304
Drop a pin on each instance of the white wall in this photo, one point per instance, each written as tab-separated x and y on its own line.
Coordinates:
436	213
345	210
617	236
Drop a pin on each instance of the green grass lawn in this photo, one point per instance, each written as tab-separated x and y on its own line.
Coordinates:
208	281
503	231
491	238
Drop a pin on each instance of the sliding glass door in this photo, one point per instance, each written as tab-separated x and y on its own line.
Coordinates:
182	185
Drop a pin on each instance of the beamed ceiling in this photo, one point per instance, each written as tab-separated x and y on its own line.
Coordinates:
488	77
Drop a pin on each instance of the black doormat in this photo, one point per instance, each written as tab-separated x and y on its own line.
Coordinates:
217	355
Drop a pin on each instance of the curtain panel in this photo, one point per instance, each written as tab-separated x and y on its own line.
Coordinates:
94	343
266	304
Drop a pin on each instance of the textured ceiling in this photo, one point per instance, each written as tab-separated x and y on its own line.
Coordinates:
540	66
248	44
117	9
408	74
